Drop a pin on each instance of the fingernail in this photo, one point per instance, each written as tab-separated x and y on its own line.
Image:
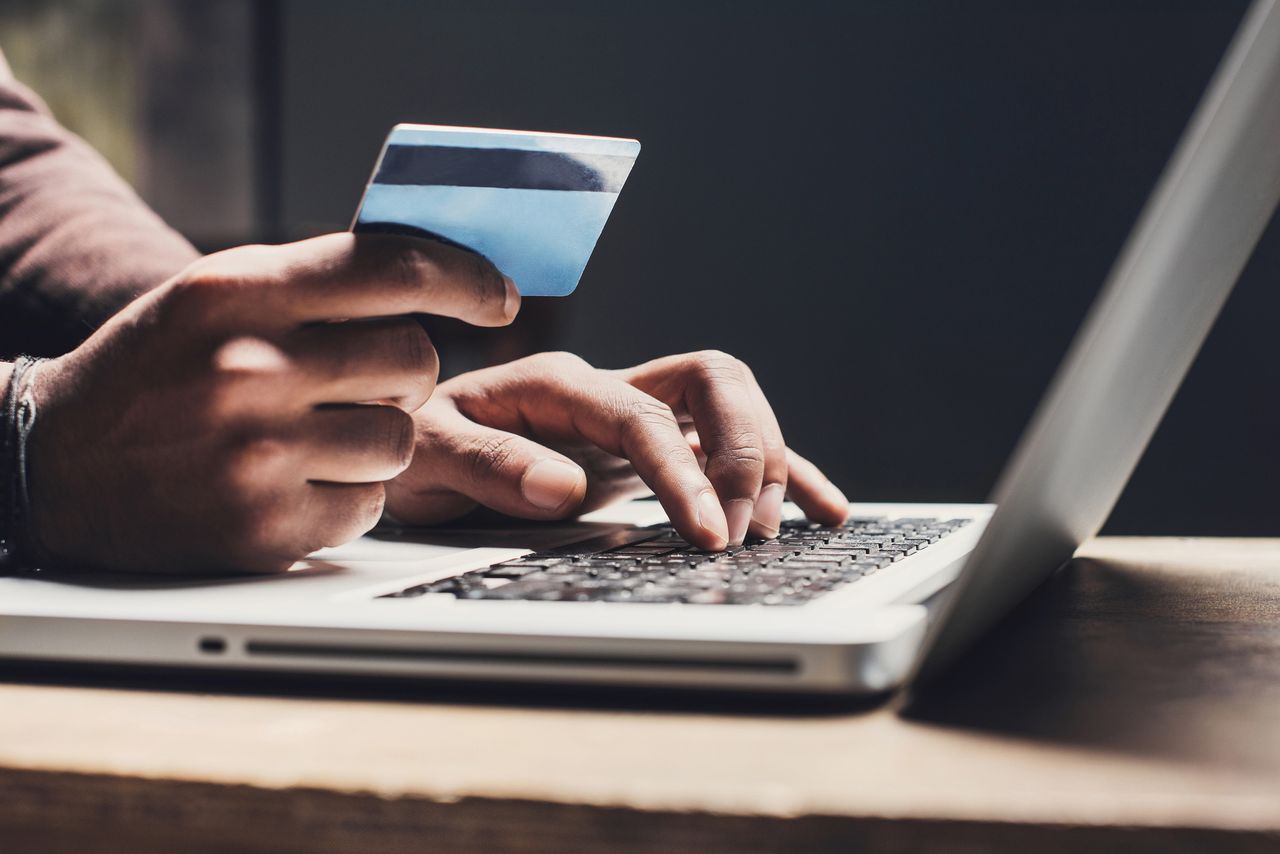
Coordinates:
738	514
549	484
511	305
711	517
769	509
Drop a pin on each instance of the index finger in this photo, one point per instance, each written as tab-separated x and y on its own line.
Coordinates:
342	276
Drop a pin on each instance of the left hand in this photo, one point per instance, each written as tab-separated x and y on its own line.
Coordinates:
550	437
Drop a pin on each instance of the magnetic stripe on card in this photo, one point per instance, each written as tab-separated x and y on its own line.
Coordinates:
503	168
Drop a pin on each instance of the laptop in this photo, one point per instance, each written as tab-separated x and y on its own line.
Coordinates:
888	599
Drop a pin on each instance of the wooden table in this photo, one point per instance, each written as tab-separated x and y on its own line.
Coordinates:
1132	704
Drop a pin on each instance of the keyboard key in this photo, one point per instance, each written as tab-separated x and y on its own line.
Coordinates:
654	566
513	569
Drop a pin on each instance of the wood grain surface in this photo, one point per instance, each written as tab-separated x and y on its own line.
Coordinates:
1132	704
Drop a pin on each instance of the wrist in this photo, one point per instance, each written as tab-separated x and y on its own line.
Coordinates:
17	421
52	533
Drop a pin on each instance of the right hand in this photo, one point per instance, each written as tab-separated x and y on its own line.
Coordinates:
248	411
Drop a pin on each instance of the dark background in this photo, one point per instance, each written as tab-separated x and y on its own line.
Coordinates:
897	213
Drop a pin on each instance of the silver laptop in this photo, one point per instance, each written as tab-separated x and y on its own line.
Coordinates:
618	599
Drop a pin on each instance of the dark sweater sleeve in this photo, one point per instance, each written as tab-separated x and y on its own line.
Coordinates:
76	243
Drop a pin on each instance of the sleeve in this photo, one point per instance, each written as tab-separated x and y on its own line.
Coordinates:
76	243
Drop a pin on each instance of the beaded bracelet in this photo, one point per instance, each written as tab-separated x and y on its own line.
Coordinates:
17	418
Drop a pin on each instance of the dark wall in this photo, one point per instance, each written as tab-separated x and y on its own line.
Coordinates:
896	212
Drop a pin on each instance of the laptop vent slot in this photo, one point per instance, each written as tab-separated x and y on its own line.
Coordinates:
426	655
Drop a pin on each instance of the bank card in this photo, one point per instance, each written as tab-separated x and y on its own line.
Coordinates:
533	203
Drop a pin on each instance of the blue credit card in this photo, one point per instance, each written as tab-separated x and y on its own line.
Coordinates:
532	203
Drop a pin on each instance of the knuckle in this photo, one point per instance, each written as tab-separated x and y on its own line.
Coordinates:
253	458
398	436
560	362
410	266
678	456
718	366
209	271
211	288
414	349
248	356
226	270
743	448
417	359
240	374
191	296
490	456
646	413
247	255
743	452
775	446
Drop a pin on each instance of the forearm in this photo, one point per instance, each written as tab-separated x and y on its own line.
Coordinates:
76	243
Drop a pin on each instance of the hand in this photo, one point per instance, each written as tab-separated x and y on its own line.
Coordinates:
229	420
549	437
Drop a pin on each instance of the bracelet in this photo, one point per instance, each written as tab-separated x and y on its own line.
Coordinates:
17	420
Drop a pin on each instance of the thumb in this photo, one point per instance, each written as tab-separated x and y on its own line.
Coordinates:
458	461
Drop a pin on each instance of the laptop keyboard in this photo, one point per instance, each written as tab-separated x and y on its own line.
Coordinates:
655	565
